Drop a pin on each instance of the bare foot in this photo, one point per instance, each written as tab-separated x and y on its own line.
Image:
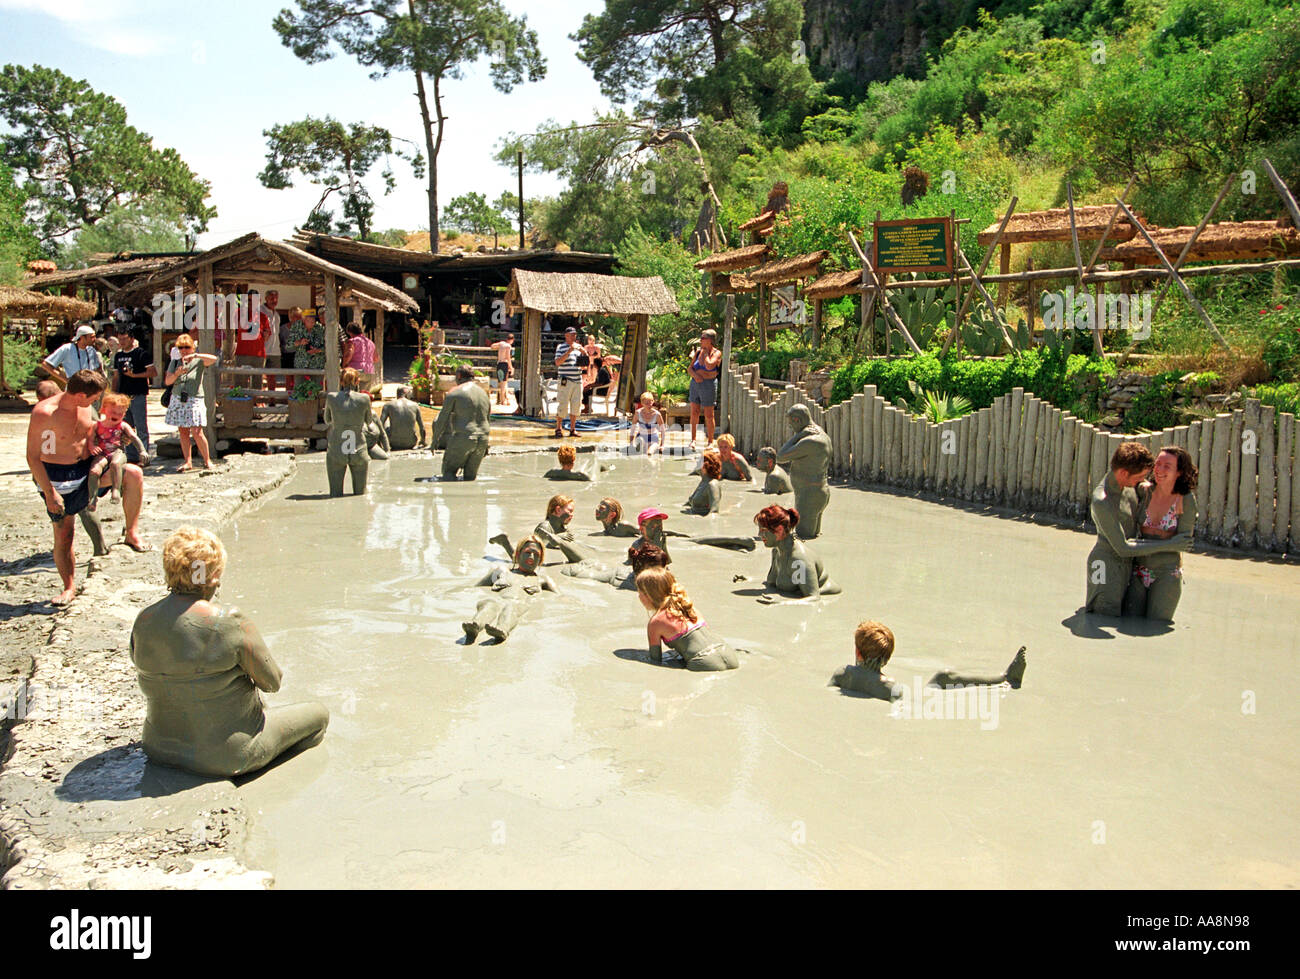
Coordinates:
1016	671
134	542
186	468
64	597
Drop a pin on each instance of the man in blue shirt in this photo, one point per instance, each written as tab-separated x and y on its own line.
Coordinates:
77	355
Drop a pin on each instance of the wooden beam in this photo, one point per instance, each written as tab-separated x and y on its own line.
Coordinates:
984	264
1187	248
1004	266
530	387
1173	274
817	324
979	287
728	325
379	349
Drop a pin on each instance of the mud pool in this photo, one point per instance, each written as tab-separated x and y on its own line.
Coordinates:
563	758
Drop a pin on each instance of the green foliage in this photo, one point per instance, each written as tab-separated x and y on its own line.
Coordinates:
431	38
927	313
1282	349
471	212
124	230
670	377
111	165
934	405
392	237
1283	397
336	157
671	337
21	358
1072	383
306	389
237	393
1153	408
774	363
685	59
18	244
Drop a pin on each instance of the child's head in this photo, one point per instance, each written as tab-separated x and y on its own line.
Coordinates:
646	555
873	644
726	444
567	455
609	510
560	505
114	408
647	399
659	592
711	464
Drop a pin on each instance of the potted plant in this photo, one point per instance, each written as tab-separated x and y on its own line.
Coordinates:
304	404
237	408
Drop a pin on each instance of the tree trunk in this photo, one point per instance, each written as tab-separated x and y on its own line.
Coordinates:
433	165
433	158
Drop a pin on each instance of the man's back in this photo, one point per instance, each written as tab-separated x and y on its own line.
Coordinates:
470	411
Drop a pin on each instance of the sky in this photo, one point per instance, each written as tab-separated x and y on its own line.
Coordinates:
208	78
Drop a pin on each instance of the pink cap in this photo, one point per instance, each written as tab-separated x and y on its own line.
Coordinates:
649	513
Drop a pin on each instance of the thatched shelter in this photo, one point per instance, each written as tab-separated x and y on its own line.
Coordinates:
744	257
537	294
24	304
764	223
784	271
1054	225
1226	241
834	285
256	259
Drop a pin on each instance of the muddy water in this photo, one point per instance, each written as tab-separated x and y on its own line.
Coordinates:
563	758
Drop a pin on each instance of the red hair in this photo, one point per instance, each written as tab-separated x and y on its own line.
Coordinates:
771	517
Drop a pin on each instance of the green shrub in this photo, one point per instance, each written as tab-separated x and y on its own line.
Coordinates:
21	358
1153	409
1282	350
1072	383
1283	397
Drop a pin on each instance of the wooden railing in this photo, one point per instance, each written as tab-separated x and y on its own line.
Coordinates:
1026	454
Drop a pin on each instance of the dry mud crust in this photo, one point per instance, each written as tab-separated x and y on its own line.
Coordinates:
78	806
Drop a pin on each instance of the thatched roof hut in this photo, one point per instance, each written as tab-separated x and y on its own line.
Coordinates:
30	305
1054	225
737	258
1225	241
778	200
109	276
834	285
587	294
787	270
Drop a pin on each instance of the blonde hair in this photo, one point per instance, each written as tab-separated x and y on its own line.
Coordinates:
646	398
566	453
184	340
350	378
193	559
558	501
121	400
726	440
659	585
874	643
541	549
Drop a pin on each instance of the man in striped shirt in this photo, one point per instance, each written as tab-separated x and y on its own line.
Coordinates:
568	395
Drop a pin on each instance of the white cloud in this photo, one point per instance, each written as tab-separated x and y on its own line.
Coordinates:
116	26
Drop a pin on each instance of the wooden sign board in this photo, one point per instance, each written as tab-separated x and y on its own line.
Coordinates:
913	245
787	309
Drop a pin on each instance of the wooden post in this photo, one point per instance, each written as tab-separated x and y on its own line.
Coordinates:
1178	279
764	314
1267	486
959	260
379	348
530	358
978	286
1187	247
728	324
1114	216
817	324
331	321
207	340
1004	266
1029	297
1282	512
1283	192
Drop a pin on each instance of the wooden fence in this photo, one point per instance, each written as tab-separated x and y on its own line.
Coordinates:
1025	454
